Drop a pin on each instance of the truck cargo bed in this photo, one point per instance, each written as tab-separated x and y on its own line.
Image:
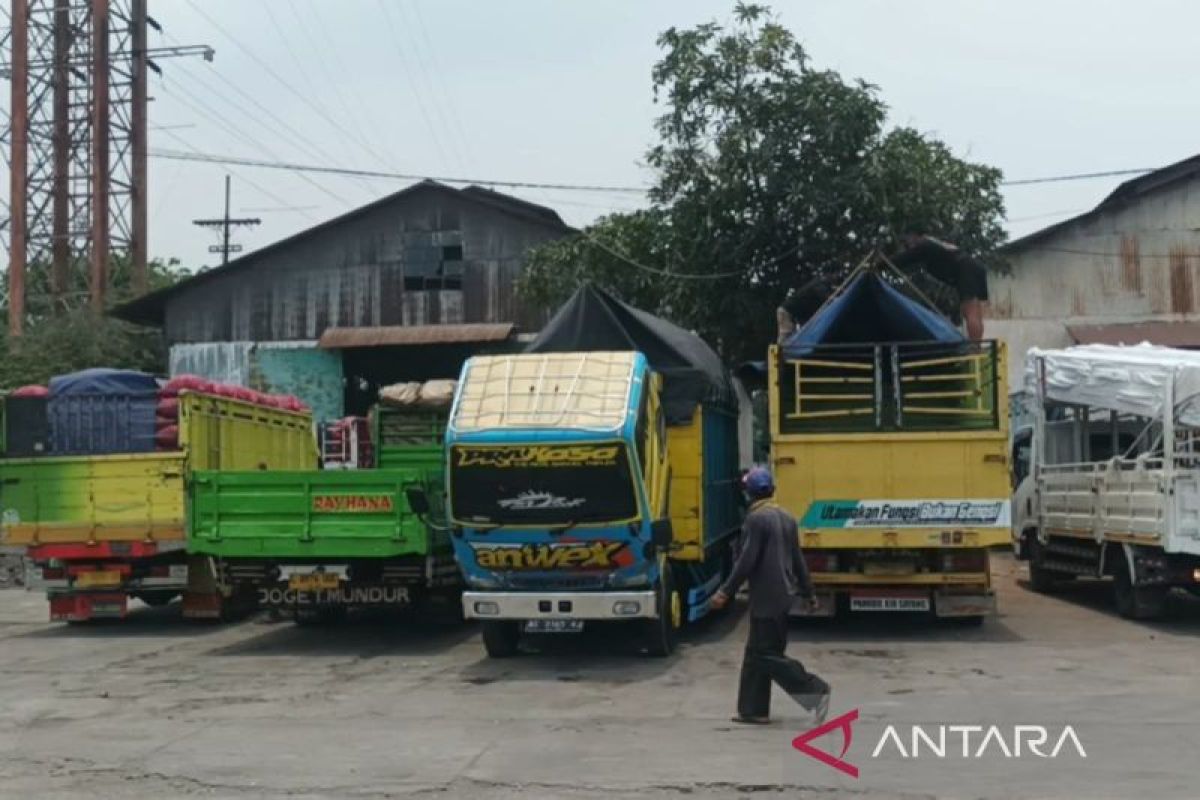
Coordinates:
308	514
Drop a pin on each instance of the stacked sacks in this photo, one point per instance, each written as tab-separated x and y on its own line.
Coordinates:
166	417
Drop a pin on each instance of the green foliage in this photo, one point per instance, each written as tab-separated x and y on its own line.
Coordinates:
768	172
78	338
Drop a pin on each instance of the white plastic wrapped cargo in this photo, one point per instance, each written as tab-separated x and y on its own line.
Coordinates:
1131	380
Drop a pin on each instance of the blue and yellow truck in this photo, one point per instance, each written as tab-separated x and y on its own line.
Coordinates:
593	478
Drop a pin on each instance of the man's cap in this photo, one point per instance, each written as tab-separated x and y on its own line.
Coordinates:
758	482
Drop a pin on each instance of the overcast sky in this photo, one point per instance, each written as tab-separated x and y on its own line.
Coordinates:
558	91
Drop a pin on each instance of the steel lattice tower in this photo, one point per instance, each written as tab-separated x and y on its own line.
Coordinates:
76	147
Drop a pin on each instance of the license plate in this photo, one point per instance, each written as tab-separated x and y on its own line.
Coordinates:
313	582
99	577
889	603
554	626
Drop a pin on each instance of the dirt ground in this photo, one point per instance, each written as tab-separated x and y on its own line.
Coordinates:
159	707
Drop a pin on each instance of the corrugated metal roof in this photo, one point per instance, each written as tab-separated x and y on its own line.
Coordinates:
1167	334
1127	192
404	335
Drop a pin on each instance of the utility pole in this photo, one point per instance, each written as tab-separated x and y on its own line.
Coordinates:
226	223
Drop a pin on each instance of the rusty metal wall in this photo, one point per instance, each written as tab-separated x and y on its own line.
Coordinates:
384	267
1137	263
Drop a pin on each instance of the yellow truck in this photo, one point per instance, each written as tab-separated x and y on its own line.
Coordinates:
889	439
97	529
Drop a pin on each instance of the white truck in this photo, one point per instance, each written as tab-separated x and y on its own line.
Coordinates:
1107	481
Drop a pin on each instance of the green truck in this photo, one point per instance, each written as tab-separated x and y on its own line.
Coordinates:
315	543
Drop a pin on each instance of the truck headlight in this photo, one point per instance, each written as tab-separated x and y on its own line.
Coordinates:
486	608
626	608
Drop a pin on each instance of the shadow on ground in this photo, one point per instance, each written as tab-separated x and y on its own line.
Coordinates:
603	653
364	638
1182	616
141	621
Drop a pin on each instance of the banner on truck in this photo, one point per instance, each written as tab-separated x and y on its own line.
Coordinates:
973	513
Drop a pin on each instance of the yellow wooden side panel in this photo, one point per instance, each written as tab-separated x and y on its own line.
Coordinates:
901	467
95	498
220	433
687	486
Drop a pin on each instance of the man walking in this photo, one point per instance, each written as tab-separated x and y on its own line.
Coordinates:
770	558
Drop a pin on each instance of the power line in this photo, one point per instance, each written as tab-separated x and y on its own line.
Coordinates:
199	106
412	82
1080	176
280	126
261	189
440	98
370	173
279	79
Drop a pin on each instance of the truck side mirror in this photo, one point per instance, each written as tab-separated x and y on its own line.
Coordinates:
418	501
661	533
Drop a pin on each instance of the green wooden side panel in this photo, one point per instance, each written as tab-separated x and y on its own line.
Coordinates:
315	514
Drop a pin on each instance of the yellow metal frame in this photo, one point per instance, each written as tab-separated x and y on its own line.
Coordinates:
975	376
800	396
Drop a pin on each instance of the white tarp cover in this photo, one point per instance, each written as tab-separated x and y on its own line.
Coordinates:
1130	380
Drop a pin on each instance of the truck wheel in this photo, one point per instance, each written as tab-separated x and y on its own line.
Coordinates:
1137	602
501	639
662	631
1040	579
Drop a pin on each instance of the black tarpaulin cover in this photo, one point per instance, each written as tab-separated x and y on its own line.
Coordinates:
594	320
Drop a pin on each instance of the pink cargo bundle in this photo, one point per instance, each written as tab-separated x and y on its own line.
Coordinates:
33	390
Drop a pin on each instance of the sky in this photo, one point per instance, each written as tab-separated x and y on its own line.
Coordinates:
559	91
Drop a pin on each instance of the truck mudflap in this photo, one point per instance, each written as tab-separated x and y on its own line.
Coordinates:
533	605
80	607
963	604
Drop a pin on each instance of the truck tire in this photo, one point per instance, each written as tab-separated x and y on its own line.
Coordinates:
1040	579
1136	602
661	633
501	639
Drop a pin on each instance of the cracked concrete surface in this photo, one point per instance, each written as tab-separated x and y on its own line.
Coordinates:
159	707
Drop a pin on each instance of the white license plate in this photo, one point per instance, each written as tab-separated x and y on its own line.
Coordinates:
554	626
889	603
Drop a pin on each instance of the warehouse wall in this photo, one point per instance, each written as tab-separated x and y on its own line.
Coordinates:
299	368
427	257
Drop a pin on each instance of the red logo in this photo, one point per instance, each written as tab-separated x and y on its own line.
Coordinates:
841	723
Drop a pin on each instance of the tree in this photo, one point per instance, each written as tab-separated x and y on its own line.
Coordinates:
77	338
768	172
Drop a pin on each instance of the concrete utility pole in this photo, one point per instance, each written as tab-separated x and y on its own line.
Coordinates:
225	223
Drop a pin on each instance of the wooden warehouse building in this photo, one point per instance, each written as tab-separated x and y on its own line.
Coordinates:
402	288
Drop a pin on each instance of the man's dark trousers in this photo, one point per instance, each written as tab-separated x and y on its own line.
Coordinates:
765	661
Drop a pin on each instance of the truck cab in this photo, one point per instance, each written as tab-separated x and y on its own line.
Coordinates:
557	490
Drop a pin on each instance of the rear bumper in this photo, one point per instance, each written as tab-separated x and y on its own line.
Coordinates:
559	605
960	601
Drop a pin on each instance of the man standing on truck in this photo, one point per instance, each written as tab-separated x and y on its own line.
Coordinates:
953	267
770	558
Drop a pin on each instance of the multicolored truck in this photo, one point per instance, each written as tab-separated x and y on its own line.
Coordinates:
313	544
99	529
889	437
593	486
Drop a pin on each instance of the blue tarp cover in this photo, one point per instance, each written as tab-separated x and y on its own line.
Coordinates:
101	412
870	310
103	381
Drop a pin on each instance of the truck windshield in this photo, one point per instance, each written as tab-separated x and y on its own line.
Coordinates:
553	485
